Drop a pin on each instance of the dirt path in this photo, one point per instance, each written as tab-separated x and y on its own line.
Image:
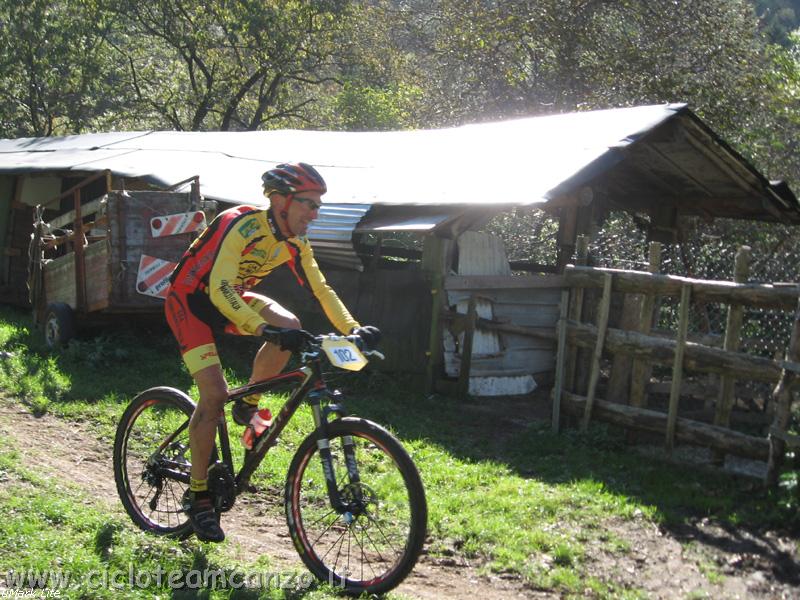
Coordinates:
699	558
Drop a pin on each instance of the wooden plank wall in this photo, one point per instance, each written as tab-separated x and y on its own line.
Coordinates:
532	307
59	277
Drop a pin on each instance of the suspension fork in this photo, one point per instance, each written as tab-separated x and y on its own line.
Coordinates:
321	415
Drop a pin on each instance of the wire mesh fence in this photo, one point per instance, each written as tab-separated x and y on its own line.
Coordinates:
708	251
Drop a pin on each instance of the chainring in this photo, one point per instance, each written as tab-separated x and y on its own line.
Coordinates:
222	486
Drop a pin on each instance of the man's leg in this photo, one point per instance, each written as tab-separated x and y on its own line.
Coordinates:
202	430
202	427
270	359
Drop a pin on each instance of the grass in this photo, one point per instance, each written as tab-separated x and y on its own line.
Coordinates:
514	500
54	537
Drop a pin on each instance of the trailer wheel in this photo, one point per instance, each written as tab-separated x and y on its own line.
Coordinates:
59	324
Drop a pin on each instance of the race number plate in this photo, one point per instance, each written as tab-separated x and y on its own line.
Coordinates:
344	354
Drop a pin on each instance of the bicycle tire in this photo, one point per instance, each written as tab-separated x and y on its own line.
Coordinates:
385	468
149	419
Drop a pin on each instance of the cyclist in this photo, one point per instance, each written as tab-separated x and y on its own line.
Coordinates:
210	289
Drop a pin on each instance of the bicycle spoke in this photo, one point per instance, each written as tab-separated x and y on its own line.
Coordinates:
365	560
380	530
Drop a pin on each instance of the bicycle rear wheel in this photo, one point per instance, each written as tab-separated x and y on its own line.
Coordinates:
152	460
373	547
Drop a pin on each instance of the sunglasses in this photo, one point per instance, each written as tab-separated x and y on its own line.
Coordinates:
311	204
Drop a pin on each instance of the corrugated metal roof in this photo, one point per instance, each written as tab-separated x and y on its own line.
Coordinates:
332	233
520	161
656	154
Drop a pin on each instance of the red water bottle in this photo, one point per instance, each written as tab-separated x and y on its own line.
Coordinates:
258	425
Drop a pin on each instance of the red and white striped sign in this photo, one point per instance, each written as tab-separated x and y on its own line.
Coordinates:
179	223
153	276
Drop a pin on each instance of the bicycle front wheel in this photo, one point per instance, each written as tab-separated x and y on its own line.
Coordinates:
372	546
152	460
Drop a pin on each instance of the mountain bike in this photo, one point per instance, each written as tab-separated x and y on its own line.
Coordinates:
354	501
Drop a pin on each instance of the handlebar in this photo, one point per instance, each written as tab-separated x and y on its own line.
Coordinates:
314	342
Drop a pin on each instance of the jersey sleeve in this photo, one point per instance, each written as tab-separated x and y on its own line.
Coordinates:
332	305
222	279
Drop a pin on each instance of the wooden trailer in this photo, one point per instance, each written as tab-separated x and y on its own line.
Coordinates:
109	256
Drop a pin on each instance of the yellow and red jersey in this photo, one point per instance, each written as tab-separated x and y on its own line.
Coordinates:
241	247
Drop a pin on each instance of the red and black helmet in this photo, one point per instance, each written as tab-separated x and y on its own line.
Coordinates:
293	178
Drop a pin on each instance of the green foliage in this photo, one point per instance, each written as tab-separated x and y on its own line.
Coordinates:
364	108
57	70
778	18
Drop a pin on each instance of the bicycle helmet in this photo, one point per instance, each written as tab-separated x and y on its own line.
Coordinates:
293	178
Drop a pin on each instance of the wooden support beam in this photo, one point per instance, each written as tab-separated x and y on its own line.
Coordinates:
575	314
502	282
697	357
602	326
565	238
71	191
621	364
87	209
466	348
641	370
434	263
459	322
782	398
560	360
687	431
753	294
52	242
80	263
733	334
677	368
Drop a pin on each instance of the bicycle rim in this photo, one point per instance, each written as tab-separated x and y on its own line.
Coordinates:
372	548
150	460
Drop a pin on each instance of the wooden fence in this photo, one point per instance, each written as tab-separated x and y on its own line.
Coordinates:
635	350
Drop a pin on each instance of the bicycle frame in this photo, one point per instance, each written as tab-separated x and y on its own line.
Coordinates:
310	386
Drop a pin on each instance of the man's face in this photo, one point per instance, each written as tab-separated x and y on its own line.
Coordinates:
302	210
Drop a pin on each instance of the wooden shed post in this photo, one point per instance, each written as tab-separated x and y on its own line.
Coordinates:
560	359
77	246
677	367
575	314
466	348
641	369
602	327
782	400
733	330
567	232
434	263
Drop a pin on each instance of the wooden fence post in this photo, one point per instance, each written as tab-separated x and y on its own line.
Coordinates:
575	314
434	258
560	359
677	367
80	262
640	372
733	330
782	399
602	327
466	348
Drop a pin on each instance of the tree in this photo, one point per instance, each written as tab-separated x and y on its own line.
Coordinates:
57	74
221	65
